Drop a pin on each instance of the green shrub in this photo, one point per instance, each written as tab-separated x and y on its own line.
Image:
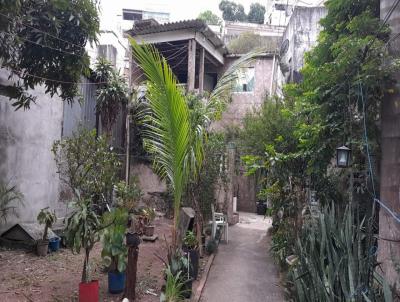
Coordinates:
114	252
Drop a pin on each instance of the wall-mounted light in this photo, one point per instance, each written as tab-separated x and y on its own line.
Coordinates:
343	157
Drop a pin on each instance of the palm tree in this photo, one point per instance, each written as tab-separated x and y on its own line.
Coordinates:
175	141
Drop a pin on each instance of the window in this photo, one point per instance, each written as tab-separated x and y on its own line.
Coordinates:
281	7
245	80
132	15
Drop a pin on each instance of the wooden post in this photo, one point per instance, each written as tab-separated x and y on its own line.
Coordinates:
201	70
131	272
191	65
132	241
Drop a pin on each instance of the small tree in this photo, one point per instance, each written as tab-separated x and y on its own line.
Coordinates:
256	13
87	165
82	231
210	18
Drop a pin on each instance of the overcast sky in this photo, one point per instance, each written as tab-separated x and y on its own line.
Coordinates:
188	9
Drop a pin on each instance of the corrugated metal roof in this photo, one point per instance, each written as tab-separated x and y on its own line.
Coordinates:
157	28
196	25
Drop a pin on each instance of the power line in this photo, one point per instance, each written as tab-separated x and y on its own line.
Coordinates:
381	203
23	73
46	46
39	30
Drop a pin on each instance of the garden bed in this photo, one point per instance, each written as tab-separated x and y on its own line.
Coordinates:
27	277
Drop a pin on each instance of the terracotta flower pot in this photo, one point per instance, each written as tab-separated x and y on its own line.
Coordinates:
89	292
149	230
42	247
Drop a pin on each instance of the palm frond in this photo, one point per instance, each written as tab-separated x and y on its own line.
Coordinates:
222	92
10	199
168	128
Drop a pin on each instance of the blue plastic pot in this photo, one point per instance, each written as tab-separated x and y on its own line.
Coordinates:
54	244
116	282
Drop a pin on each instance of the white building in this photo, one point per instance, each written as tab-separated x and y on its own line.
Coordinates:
279	11
115	18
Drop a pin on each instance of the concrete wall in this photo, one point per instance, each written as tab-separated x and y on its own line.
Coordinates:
243	102
389	252
149	182
302	34
26	138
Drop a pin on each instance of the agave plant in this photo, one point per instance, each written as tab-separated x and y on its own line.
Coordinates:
10	198
336	261
175	142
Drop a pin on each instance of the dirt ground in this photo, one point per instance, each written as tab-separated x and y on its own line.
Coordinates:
24	277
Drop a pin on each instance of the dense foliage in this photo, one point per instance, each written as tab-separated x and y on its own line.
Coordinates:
43	42
87	165
210	18
256	13
232	11
344	80
111	94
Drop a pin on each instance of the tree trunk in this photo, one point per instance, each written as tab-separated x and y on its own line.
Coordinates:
85	274
389	251
198	219
131	271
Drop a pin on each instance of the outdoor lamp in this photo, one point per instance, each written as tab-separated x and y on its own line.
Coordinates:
343	155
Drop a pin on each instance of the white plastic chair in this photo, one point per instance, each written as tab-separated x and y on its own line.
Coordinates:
219	219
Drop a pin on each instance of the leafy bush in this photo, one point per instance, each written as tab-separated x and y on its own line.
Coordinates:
211	246
128	196
114	251
190	240
87	165
47	218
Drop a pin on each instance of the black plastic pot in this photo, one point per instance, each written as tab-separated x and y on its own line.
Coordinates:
194	258
261	208
132	239
187	288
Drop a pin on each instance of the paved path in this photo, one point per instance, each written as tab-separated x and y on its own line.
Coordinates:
243	270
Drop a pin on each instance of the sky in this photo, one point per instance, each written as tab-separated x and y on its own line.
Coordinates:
178	9
187	9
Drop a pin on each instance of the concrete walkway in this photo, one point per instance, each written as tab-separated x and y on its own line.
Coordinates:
243	270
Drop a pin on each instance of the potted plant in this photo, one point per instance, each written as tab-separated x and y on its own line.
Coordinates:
190	246
128	195
47	218
149	214
82	232
114	251
179	266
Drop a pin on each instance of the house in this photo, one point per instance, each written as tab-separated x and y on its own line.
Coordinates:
300	36
199	56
